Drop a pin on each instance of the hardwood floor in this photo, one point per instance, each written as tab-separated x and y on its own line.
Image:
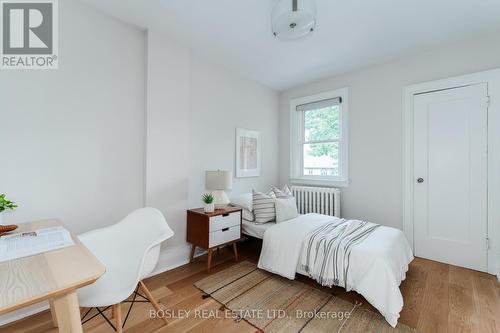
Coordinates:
438	298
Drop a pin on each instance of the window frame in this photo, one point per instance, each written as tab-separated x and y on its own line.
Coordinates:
297	140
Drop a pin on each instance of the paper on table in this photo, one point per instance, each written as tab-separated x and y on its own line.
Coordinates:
30	243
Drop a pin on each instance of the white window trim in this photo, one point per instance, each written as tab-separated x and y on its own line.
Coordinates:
296	160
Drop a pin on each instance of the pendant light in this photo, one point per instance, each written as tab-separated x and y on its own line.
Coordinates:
292	19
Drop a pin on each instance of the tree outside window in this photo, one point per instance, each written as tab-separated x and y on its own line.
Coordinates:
321	148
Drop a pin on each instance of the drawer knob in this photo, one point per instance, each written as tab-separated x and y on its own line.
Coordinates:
225	229
227	214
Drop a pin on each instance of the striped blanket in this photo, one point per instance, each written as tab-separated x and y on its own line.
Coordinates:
326	250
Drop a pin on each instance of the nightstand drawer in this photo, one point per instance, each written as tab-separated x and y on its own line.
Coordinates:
220	222
224	235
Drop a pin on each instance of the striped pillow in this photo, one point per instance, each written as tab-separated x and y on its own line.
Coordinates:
263	207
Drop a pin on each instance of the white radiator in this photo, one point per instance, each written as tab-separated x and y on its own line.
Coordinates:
321	200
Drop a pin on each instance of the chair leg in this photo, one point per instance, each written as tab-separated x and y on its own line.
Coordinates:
151	299
117	312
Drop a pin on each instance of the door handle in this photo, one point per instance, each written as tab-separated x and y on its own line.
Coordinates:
420	180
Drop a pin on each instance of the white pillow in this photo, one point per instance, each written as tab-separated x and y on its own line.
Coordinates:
244	201
248	215
286	209
283	193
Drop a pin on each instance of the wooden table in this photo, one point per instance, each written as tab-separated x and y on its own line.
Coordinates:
51	276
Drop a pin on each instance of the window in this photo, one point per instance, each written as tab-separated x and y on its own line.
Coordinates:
319	139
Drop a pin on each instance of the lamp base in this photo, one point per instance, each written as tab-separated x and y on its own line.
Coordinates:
220	199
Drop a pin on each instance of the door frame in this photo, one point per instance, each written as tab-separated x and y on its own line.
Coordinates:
492	78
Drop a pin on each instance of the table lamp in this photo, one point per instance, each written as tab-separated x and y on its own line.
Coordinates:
217	182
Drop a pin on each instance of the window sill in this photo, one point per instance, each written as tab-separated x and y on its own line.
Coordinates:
319	182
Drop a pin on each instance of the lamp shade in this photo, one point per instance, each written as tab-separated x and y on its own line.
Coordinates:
218	180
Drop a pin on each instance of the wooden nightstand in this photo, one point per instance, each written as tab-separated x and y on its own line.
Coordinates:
212	230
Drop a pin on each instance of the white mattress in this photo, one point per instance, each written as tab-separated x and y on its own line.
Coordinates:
256	230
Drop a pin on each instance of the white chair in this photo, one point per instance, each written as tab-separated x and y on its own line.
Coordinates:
130	250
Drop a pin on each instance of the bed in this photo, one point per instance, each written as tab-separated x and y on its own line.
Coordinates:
256	230
378	263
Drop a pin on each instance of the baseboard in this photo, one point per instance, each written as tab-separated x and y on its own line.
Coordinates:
173	258
170	258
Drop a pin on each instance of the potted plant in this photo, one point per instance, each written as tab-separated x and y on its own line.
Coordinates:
208	201
4	205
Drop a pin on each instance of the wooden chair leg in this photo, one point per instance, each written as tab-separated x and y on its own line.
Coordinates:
151	299
117	312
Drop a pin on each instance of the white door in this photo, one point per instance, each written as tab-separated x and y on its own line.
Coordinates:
450	174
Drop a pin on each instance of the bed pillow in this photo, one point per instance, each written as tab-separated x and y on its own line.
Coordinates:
247	215
283	193
244	201
286	209
263	207
287	190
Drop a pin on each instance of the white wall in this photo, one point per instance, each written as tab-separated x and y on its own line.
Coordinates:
194	108
78	143
129	119
167	158
72	139
375	122
221	102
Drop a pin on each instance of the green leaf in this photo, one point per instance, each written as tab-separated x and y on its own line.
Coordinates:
208	198
6	204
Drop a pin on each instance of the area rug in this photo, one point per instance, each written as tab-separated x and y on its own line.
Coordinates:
271	304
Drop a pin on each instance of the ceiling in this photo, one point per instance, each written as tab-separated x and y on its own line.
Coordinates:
350	34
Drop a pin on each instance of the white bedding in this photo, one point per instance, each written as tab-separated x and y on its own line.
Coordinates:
256	230
377	265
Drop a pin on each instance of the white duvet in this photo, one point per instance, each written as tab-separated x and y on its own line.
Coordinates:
377	265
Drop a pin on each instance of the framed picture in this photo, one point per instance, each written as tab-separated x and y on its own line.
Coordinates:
247	153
